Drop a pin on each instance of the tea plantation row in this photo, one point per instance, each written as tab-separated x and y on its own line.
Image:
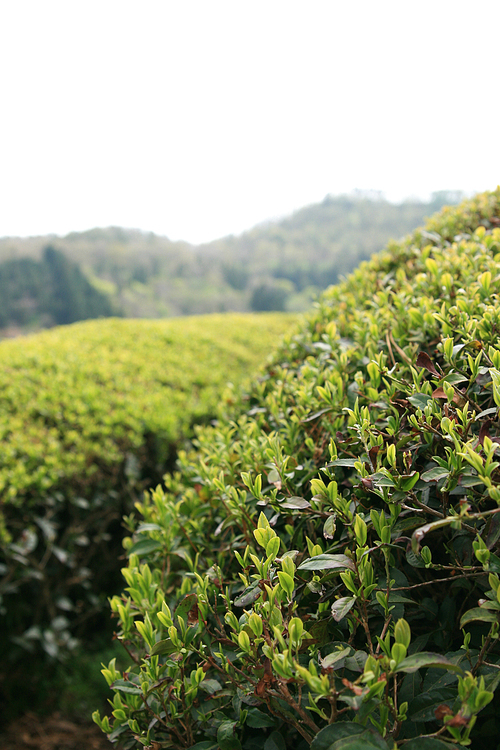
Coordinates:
323	568
90	415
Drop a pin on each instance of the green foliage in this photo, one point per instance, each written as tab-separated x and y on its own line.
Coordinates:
271	295
323	570
48	292
277	265
90	415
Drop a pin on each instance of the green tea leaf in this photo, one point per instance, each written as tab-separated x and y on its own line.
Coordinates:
295	503
275	741
426	659
433	475
124	686
342	607
258	719
429	743
479	613
144	547
164	646
226	736
327	562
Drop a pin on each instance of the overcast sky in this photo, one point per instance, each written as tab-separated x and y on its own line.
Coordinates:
197	118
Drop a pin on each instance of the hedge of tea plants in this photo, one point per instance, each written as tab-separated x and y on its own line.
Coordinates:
323	568
90	415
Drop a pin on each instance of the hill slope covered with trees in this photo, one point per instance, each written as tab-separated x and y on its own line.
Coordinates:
322	570
46	292
279	265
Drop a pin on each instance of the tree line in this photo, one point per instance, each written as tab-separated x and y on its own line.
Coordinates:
279	265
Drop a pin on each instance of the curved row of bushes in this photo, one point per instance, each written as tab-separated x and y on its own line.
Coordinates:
322	570
90	415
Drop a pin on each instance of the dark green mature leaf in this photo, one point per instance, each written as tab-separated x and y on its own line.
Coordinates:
144	547
479	613
226	736
422	708
334	732
210	686
428	743
382	479
258	719
419	400
342	606
185	606
414	560
356	662
206	745
124	686
404	524
395	598
335	657
120	729
327	562
164	646
348	736
248	596
433	475
275	741
493	533
426	659
369	740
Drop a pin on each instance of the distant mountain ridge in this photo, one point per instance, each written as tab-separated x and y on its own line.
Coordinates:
277	265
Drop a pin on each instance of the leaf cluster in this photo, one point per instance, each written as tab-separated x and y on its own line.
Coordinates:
323	568
90	416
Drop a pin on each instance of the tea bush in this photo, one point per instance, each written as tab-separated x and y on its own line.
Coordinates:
90	414
322	570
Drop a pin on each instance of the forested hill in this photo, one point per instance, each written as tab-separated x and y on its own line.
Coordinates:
47	292
278	265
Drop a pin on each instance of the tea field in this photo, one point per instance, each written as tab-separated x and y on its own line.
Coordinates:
91	415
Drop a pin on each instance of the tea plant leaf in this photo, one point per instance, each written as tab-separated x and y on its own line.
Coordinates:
275	741
164	646
295	503
342	606
327	562
144	547
226	737
426	659
429	743
479	614
433	475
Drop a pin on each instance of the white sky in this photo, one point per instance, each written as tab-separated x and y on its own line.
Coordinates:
200	118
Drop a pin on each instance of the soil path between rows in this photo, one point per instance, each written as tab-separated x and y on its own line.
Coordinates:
55	732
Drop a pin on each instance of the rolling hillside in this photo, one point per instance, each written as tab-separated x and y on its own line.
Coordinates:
279	265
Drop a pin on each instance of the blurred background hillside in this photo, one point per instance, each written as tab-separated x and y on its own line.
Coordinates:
278	265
